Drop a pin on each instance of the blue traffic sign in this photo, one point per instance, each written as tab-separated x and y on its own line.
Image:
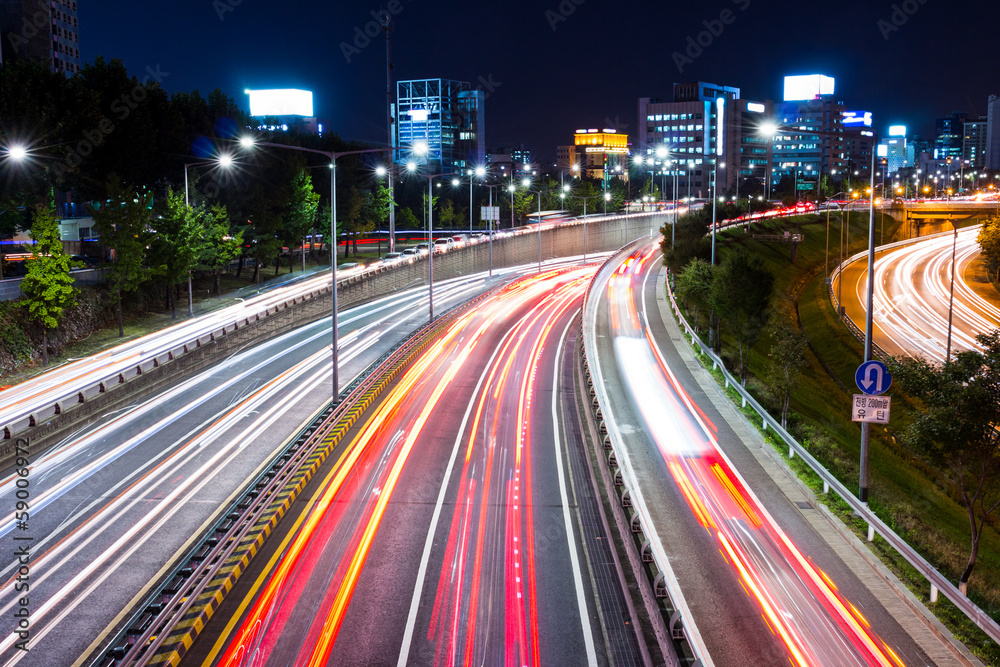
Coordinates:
873	378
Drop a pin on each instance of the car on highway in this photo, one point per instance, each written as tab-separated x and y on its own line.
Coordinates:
443	245
393	258
411	253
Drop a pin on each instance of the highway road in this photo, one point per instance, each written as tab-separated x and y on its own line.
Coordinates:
912	292
763	587
111	505
449	528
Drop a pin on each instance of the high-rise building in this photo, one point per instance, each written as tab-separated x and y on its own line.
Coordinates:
566	157
602	153
681	136
860	144
993	133
43	30
974	142
949	133
449	116
811	138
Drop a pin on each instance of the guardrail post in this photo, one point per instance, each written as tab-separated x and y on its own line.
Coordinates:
791	453
934	594
727	383
871	532
826	487
744	401
764	427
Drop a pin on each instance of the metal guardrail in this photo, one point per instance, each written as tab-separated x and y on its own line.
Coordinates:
938	582
681	623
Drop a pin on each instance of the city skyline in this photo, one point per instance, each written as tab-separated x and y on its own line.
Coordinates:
530	58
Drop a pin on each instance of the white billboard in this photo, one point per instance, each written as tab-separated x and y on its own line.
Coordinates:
807	87
897	130
281	102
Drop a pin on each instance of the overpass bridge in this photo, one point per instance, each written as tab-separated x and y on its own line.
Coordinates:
933	213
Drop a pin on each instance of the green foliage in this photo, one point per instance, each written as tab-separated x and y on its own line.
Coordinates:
788	359
218	247
123	223
48	287
956	430
741	296
694	286
406	219
302	208
989	243
176	241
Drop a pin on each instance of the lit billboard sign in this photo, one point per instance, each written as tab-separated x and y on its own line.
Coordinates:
857	118
897	130
883	150
807	87
756	107
283	102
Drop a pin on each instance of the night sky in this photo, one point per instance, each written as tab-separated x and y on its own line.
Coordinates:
543	83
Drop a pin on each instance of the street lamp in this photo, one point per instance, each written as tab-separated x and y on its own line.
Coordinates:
411	167
420	148
225	161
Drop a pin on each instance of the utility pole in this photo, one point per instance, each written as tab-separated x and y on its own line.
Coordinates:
869	325
388	28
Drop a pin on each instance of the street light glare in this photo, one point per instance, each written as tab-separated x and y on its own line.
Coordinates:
480	171
768	129
380	170
17	153
421	148
247	142
411	166
661	152
455	182
526	182
225	161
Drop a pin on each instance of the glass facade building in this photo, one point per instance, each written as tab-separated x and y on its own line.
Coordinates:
448	115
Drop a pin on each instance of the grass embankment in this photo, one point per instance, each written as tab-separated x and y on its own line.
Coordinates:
905	492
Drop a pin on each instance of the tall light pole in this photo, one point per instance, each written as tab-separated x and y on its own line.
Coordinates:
250	142
526	183
720	105
869	319
225	161
412	168
951	298
826	265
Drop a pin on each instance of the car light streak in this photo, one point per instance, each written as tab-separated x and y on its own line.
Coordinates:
486	604
799	603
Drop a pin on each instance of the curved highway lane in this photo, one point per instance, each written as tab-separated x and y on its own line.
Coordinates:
762	587
912	295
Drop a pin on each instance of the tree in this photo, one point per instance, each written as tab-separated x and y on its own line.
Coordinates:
524	203
48	286
989	243
123	224
176	243
694	286
445	216
218	246
956	431
741	297
788	350
406	219
349	220
301	216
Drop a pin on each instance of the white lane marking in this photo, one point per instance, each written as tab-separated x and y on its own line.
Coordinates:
581	601
411	619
